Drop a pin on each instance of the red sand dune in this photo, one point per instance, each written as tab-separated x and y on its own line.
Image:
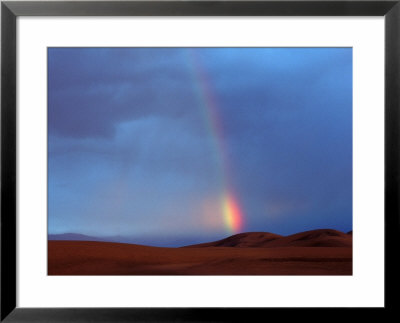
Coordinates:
318	252
314	238
241	240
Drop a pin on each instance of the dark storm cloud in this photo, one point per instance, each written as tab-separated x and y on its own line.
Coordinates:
91	90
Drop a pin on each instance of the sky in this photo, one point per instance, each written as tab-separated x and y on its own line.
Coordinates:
173	146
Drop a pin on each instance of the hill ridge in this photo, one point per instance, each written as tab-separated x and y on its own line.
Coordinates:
310	238
258	239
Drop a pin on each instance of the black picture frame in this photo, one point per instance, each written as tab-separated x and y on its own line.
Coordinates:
10	10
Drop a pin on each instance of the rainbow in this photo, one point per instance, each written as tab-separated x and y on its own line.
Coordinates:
229	203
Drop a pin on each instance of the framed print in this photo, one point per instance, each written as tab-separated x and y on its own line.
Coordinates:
162	159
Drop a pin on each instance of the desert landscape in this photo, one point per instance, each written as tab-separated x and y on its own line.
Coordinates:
200	160
315	252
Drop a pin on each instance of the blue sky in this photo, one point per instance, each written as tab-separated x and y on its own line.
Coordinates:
131	152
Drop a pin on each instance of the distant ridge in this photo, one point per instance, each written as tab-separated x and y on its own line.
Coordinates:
313	238
165	241
73	237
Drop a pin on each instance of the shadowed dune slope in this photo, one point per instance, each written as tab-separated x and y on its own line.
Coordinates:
241	240
313	238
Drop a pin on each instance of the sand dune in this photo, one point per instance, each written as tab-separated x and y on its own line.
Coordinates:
243	254
242	240
313	238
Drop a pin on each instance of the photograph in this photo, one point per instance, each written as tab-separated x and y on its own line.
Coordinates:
199	161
